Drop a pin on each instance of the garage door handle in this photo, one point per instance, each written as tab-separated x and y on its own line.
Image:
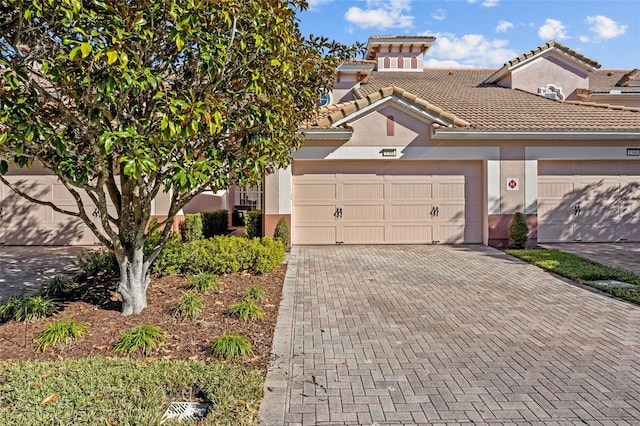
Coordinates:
1	212
576	210
338	213
434	212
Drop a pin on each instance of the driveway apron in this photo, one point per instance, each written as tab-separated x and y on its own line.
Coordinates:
447	335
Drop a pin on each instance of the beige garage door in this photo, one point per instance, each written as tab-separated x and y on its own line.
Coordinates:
26	223
591	201
387	202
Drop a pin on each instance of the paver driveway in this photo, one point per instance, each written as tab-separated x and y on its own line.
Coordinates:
447	335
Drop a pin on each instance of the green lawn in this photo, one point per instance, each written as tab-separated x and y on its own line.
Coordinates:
581	270
104	391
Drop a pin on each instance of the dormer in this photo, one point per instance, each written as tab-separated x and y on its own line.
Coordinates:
398	53
551	70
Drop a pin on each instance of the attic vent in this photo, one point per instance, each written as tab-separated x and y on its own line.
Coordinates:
550	91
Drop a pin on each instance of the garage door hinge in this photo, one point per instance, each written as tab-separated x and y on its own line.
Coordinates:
339	242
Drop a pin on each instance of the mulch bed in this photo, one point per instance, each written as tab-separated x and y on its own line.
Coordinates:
98	305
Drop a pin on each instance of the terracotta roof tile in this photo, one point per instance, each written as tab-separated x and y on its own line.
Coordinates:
603	81
463	100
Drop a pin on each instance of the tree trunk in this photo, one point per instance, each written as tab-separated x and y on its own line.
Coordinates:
134	280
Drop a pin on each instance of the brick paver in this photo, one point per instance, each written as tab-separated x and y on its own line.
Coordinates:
447	335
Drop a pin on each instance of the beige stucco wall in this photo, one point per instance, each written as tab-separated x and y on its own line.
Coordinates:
550	69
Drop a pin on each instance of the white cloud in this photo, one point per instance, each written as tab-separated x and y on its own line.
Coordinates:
605	27
472	1
439	15
553	29
469	50
315	4
490	3
503	26
437	63
381	14
584	39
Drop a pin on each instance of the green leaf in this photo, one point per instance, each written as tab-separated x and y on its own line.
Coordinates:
3	137
86	49
74	52
112	56
179	41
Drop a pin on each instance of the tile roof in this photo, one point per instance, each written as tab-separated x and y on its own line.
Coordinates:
459	97
602	81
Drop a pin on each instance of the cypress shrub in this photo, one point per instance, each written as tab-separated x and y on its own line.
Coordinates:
191	228
518	231
282	232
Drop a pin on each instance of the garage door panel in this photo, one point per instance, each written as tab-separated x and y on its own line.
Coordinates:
390	202
410	234
410	191
316	234
363	191
412	212
305	191
357	234
315	212
595	203
362	212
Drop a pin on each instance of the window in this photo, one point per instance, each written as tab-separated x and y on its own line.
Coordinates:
325	99
250	196
550	91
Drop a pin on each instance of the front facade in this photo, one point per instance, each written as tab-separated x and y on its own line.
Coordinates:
405	155
411	155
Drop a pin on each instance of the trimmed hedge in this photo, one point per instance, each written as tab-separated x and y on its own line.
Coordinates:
191	227
253	224
220	255
215	223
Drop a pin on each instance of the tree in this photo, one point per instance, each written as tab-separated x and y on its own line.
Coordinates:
123	100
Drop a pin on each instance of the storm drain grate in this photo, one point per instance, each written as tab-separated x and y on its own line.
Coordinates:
186	411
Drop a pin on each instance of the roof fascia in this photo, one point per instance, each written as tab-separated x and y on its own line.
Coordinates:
504	135
327	134
392	99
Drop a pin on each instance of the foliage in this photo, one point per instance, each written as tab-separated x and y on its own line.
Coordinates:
191	227
125	391
94	263
60	331
254	293
215	223
155	99
269	254
189	306
143	338
58	285
27	308
246	310
581	270
231	346
220	255
282	232
202	282
518	231
253	224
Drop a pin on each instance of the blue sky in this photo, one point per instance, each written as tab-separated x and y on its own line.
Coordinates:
487	33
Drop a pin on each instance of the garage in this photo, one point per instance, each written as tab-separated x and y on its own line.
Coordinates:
26	223
387	202
589	201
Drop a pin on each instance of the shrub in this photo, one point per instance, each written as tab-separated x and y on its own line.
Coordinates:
253	224
518	231
191	227
94	263
269	254
60	331
144	338
189	306
27	308
230	346
254	293
58	285
171	259
282	232
215	223
246	310
202	282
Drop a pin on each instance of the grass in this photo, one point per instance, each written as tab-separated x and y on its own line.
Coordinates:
27	308
202	282
58	332
254	293
58	286
246	310
143	338
231	346
119	391
189	306
581	270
